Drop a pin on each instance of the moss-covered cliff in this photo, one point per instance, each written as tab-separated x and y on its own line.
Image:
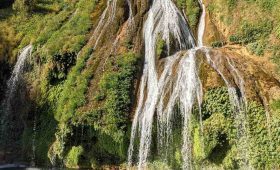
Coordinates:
75	104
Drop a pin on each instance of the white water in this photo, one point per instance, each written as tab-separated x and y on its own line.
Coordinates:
166	20
18	69
13	83
201	25
106	19
178	85
17	72
187	89
238	103
130	18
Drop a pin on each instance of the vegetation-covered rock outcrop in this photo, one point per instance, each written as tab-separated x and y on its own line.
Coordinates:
78	95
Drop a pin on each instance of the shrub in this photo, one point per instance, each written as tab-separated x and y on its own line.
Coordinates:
231	4
181	3
61	65
251	32
192	9
217	44
234	39
216	100
160	47
192	12
117	87
257	47
278	31
223	144
276	56
267	4
74	88
72	35
72	158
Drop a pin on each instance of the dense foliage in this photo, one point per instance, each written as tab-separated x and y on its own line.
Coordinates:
109	122
223	145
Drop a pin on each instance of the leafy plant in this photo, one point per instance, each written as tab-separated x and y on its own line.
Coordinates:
222	144
257	47
160	47
117	88
251	32
72	158
61	65
192	10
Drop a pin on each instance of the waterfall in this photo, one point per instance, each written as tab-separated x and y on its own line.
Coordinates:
187	89
178	85
18	70
201	25
165	20
238	102
13	83
105	20
15	77
130	18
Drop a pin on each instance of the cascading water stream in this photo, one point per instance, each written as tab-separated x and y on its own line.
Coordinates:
13	83
187	89
17	72
33	160
106	18
15	77
201	25
238	102
130	18
130	25
178	85
165	20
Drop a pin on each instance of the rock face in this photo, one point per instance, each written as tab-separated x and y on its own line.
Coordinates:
251	71
78	103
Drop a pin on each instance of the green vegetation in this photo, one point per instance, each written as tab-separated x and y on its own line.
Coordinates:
218	143
61	65
24	6
72	159
258	32
252	32
221	145
82	101
216	101
192	9
58	30
231	4
160	48
109	121
117	87
253	35
72	35
217	44
59	33
158	165
75	87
